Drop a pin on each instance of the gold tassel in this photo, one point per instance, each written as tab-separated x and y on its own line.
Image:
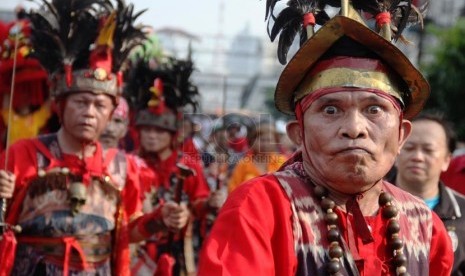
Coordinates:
105	37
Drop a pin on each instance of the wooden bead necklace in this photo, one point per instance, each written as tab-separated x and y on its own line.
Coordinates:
389	213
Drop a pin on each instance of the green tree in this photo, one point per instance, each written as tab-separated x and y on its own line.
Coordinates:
446	74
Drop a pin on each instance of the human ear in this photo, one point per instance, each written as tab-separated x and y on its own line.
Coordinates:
405	130
447	160
294	132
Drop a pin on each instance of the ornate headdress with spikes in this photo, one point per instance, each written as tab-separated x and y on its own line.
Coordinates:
83	43
344	52
161	93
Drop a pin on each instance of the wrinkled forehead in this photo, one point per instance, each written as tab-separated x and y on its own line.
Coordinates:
349	96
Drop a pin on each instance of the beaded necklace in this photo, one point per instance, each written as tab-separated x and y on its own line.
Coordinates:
389	213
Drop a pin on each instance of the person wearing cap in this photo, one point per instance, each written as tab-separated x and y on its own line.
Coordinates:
328	210
261	158
158	122
74	210
187	137
30	106
117	127
426	153
236	141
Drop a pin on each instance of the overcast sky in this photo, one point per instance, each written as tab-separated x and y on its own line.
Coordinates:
201	17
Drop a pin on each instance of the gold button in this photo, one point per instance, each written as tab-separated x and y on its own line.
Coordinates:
41	173
100	74
65	171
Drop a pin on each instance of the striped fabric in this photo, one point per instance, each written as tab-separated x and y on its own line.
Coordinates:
310	231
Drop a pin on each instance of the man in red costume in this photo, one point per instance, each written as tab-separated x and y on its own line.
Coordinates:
78	207
158	125
328	211
30	107
117	127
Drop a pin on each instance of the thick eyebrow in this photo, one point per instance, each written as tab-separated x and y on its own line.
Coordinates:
423	144
375	99
328	100
100	100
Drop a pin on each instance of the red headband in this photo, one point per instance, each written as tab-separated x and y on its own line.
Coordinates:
305	103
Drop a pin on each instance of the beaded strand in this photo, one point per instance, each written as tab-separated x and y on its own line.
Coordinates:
389	213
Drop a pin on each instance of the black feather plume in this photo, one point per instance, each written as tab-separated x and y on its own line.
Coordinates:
187	93
403	12
63	30
178	89
289	22
270	4
127	36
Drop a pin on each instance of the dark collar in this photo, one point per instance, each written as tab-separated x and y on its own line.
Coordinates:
448	207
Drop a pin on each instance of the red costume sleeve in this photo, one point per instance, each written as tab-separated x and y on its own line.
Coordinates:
454	177
196	186
132	191
148	179
441	254
252	234
22	162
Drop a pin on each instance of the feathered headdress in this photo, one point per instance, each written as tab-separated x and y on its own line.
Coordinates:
161	93
83	43
300	17
343	35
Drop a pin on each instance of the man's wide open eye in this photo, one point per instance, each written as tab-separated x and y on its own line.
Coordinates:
330	109
374	109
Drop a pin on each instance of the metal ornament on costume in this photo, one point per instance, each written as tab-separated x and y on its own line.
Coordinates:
77	196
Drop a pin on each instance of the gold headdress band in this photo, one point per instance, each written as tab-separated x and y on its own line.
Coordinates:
349	72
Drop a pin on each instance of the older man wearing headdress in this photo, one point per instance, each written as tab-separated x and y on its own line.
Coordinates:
23	77
328	210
